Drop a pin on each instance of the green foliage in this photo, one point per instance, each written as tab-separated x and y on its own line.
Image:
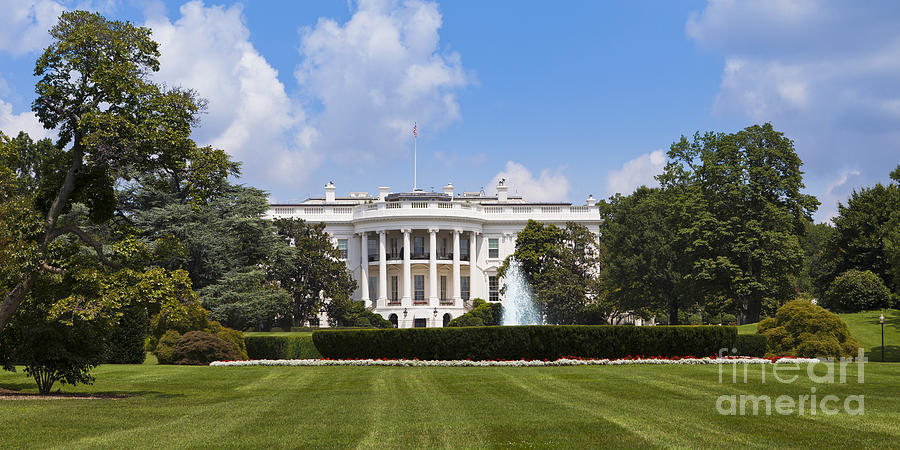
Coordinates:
816	265
164	350
245	299
125	343
202	348
524	342
867	235
750	345
800	328
647	265
344	312
563	268
747	212
855	291
281	347
482	314
308	268
234	338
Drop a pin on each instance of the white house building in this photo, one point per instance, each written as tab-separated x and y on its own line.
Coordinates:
420	257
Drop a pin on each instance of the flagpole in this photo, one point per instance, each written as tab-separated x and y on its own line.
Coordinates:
415	154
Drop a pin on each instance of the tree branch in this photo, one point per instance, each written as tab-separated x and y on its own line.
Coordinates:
89	240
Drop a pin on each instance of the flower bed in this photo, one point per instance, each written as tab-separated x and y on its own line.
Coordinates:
518	363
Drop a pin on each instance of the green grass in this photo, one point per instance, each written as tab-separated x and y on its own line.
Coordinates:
867	330
572	407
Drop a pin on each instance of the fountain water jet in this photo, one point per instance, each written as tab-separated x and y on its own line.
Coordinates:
518	302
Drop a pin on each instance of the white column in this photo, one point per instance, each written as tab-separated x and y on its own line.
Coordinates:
456	291
407	272
474	270
364	268
432	269
382	270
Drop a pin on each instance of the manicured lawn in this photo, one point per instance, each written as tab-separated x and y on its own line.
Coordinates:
867	330
570	407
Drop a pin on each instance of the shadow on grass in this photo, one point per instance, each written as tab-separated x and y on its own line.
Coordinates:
891	353
22	388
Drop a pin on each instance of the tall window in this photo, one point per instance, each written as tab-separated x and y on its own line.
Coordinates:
373	249
443	287
420	287
373	287
394	246
493	288
419	245
443	246
464	248
342	246
464	287
395	295
493	248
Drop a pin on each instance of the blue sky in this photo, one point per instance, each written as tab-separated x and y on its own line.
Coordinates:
562	99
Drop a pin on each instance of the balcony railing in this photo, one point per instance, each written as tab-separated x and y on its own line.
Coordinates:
446	302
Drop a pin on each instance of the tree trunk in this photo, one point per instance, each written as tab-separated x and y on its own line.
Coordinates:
673	315
749	312
17	294
14	298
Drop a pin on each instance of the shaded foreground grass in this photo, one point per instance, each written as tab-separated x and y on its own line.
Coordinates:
867	330
439	407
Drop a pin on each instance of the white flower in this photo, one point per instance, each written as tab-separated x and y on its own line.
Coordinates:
517	363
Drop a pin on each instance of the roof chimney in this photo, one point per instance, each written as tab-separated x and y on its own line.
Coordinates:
383	191
590	200
502	190
329	192
448	189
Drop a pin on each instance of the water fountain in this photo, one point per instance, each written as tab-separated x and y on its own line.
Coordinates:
518	303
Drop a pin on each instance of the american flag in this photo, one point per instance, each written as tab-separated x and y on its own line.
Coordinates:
415	132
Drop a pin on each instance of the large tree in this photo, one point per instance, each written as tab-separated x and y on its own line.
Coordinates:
563	267
867	234
749	214
310	268
113	124
647	267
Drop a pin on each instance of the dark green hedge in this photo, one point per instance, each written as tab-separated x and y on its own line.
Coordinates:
750	345
524	342
281	347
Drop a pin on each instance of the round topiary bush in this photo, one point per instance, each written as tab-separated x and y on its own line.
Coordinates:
201	348
166	346
803	329
857	290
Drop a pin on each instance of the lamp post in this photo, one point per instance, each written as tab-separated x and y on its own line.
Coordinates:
881	321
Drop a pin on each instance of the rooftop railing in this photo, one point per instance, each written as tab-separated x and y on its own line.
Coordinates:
438	208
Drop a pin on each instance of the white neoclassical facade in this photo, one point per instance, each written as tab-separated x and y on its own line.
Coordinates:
420	257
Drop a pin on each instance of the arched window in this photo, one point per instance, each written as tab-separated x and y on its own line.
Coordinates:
393	319
447	319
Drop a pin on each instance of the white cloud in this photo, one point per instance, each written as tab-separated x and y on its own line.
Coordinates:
550	186
11	124
24	24
372	76
250	116
824	72
636	172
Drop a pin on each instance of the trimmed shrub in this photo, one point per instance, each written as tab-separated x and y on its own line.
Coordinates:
524	342
233	337
802	329
482	314
750	345
201	348
125	343
857	290
281	347
165	348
